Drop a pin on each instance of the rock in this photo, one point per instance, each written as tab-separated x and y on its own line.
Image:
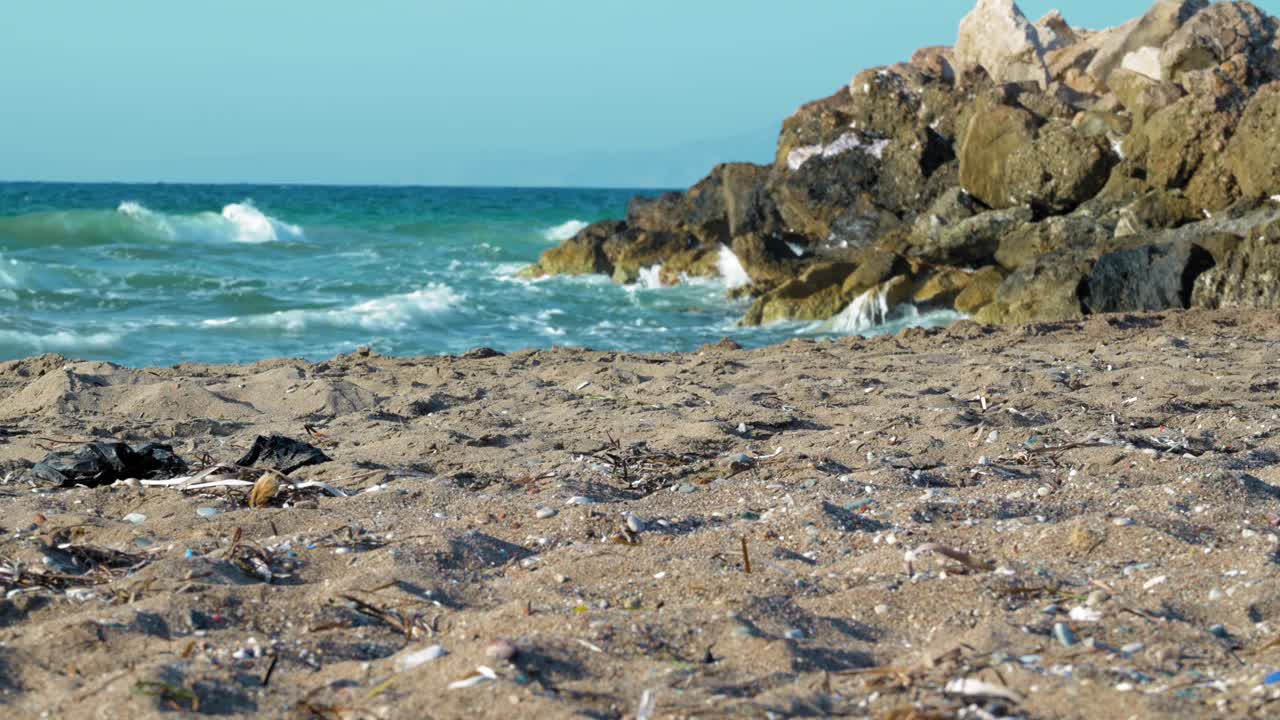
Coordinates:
633	250
980	290
816	294
544	513
1054	33
135	518
583	254
501	650
1218	33
1150	31
1046	289
816	123
992	137
998	37
973	240
937	61
1020	244
1182	147
697	262
1247	276
835	177
1142	96
941	286
1253	154
1144	279
1098	124
766	259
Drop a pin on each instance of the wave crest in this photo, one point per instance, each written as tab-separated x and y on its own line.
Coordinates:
564	231
392	312
238	222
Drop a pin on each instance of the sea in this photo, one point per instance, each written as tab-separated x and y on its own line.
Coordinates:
154	275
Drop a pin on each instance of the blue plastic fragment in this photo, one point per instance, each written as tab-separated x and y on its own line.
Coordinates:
1272	679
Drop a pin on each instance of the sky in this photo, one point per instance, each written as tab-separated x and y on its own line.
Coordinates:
608	93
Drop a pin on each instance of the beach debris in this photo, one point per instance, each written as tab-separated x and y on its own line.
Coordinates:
544	513
746	556
634	523
1064	635
1273	678
483	674
174	696
282	453
970	687
402	619
964	558
408	660
648	705
135	518
103	463
207	512
502	650
264	490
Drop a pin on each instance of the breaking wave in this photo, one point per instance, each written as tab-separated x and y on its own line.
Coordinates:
133	222
392	312
62	341
731	269
564	231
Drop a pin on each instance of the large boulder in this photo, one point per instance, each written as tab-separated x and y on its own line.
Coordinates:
1019	245
1005	161
823	186
998	37
819	123
815	294
971	241
632	250
1254	152
1217	34
1047	289
1182	146
1152	277
1142	96
1139	41
1247	276
980	291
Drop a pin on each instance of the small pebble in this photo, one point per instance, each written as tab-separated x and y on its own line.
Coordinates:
634	523
1155	581
1122	522
207	512
1043	491
579	500
881	609
1133	648
1220	631
794	634
687	488
1215	595
1097	597
501	650
135	518
546	512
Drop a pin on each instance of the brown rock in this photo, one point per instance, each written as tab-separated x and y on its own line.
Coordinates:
980	291
1253	154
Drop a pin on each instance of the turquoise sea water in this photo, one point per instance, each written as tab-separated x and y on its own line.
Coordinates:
160	274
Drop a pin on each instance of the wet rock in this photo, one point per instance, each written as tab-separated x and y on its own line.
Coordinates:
998	37
583	254
816	294
972	240
1146	278
980	290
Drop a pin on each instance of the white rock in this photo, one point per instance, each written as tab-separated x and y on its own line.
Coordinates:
997	36
1144	61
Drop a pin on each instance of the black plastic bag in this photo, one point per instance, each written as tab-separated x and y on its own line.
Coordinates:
103	463
281	453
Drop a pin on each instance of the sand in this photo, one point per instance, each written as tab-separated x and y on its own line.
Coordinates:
1115	484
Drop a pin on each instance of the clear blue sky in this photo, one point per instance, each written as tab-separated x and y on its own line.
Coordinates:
596	92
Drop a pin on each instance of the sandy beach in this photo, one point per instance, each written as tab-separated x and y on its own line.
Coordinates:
725	533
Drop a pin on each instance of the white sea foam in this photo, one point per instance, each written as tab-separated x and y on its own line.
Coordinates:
868	310
393	312
10	277
253	227
238	222
564	231
650	278
731	270
60	341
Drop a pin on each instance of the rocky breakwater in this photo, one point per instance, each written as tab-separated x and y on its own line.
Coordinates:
1034	171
